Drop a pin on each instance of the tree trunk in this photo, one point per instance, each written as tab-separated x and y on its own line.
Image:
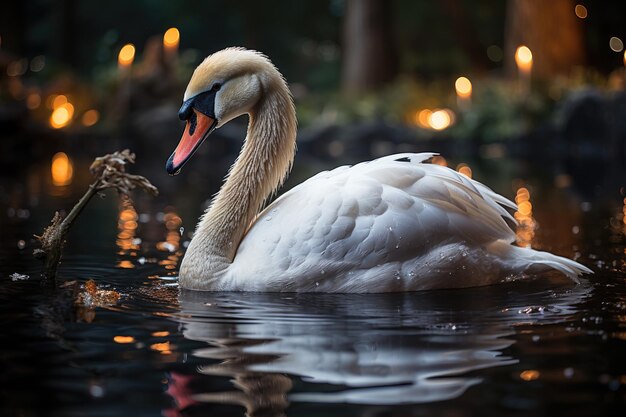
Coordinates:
67	39
369	59
466	34
552	32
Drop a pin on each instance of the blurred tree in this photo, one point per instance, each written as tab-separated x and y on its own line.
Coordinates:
465	33
66	32
369	57
552	32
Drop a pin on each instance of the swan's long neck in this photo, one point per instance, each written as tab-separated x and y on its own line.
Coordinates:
262	165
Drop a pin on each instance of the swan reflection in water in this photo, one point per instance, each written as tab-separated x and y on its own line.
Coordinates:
380	349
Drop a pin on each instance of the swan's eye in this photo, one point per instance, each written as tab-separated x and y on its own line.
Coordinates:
216	87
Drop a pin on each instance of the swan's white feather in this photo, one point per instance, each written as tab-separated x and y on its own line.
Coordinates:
383	225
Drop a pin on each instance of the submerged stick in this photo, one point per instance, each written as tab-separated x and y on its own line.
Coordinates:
109	171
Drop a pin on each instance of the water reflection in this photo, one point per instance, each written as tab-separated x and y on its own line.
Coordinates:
62	169
127	242
173	224
525	232
362	349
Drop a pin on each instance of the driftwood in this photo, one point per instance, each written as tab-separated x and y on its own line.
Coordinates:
109	171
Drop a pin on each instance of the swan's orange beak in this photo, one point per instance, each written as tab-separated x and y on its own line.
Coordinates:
196	131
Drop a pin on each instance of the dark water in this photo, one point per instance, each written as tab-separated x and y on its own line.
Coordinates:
541	347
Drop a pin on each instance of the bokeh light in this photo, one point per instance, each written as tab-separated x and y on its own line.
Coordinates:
90	118
440	119
62	115
124	339
464	169
463	87
62	170
171	38
33	101
616	44
126	55
524	58
581	11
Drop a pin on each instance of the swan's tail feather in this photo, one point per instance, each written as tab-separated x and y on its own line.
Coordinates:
538	261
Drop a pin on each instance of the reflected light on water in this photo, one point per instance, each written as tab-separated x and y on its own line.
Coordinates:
126	240
171	244
525	232
163	348
125	264
123	339
61	169
529	375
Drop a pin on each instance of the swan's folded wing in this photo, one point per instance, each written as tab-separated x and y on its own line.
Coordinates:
376	212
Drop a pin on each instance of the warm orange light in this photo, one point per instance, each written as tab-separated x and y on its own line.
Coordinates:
90	118
62	115
440	119
33	101
464	169
171	38
164	347
581	11
522	195
125	264
439	160
421	117
524	59
529	375
525	208
126	55
127	226
58	101
61	169
160	334
463	87
123	339
525	232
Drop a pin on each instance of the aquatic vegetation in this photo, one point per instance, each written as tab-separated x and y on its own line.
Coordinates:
90	296
109	171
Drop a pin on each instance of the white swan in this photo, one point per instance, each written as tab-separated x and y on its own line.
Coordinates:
391	224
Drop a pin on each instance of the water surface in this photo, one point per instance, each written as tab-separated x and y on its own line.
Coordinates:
545	346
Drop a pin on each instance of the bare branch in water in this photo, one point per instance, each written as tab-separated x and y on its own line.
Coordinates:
109	171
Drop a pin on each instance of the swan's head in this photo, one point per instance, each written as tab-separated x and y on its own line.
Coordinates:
225	85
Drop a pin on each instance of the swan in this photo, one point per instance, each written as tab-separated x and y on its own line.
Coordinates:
387	225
